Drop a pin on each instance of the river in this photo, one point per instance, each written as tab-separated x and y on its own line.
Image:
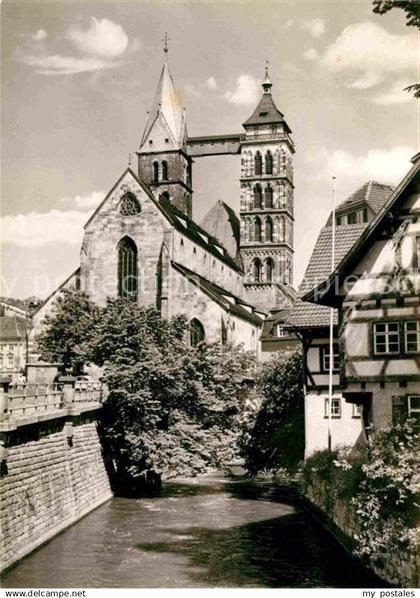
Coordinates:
214	531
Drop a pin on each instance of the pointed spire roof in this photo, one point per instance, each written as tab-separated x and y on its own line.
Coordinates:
166	118
266	112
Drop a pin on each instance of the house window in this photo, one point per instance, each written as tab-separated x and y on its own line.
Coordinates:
386	338
335	407
352	218
127	269
356	410
196	332
414	409
280	331
339	220
412	336
326	359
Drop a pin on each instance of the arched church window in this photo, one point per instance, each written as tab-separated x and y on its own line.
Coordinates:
258	164
283	162
196	332
257	197
127	269
269	268
268	197
268	163
256	270
164	171
257	229
155	172
269	230
282	229
129	205
282	199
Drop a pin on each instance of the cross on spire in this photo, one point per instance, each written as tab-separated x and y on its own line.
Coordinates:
165	40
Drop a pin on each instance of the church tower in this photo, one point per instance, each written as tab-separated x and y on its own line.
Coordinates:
266	205
162	159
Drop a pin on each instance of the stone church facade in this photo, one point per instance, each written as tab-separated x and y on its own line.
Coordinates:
227	274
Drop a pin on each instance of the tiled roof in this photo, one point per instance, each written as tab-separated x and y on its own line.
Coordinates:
18	303
195	232
266	113
373	193
226	300
325	291
222	223
12	328
310	315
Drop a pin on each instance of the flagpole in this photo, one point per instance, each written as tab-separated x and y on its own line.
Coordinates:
331	349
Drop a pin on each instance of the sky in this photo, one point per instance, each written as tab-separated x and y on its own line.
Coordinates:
79	77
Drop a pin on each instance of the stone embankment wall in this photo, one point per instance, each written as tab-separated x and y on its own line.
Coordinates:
52	474
397	568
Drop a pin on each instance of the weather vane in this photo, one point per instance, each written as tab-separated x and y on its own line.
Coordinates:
166	39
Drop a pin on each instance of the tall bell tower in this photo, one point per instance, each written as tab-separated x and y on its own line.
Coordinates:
266	205
163	162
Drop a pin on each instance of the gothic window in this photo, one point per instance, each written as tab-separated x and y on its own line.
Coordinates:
269	230
256	270
257	197
129	205
282	229
257	229
283	163
164	171
127	269
155	172
269	267
282	202
276	162
268	163
258	164
268	197
196	332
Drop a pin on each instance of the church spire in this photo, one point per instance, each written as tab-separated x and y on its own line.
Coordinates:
166	121
266	84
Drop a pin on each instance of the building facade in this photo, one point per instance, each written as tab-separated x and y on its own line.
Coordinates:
339	420
376	288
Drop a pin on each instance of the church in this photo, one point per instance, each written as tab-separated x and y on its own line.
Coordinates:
230	274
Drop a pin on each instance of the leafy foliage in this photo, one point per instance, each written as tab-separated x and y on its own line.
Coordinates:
171	409
68	331
412	11
273	437
380	486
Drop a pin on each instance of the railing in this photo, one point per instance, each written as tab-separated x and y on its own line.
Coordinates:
34	401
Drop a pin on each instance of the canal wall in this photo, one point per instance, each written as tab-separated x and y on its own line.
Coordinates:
399	569
52	469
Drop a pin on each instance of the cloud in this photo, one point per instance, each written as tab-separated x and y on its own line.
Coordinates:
311	54
63	65
246	91
366	55
387	166
103	38
99	47
37	229
84	202
211	83
39	35
315	27
394	95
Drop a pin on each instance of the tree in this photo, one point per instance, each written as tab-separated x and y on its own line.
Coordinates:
171	409
273	439
68	332
412	10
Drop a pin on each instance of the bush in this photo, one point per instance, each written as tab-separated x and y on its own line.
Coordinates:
380	484
272	438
